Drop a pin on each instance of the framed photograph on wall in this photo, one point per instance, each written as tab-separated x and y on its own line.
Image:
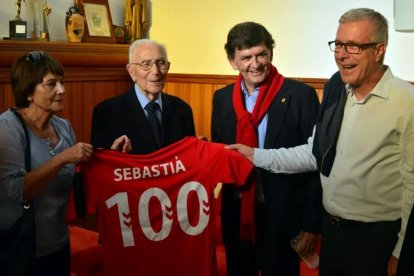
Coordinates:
98	21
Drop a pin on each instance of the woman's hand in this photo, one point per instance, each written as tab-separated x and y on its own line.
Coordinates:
78	152
37	179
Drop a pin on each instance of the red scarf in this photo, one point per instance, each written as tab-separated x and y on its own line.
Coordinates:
247	124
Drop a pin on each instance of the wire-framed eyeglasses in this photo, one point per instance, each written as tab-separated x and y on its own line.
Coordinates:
35	56
147	64
350	48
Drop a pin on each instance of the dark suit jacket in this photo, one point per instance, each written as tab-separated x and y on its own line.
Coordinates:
293	202
329	123
123	114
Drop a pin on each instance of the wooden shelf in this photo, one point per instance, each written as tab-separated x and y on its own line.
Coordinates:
82	61
69	54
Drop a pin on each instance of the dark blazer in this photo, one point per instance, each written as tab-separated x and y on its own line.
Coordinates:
293	202
123	114
331	113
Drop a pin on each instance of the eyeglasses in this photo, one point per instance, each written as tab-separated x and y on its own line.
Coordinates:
147	65
350	48
35	57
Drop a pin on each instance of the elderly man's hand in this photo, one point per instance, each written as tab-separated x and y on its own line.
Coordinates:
122	144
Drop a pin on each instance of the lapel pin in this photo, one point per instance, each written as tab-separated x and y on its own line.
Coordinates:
283	100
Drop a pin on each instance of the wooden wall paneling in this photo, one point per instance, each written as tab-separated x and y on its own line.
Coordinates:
315	83
74	108
2	97
95	72
203	105
193	94
199	96
122	86
92	93
196	103
177	89
8	97
206	109
80	99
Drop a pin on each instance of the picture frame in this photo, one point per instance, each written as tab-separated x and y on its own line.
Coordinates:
98	21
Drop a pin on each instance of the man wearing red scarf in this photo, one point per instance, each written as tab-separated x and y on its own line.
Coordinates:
263	109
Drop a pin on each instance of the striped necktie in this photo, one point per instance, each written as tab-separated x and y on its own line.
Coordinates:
154	123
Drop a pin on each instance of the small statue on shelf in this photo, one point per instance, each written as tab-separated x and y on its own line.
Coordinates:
135	19
19	9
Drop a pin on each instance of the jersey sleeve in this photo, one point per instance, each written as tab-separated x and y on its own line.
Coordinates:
228	165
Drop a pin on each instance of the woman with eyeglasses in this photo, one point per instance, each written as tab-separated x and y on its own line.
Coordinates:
38	90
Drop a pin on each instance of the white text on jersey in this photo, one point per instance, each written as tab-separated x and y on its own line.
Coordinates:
163	169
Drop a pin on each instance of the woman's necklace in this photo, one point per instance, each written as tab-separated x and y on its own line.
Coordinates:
49	144
48	140
49	133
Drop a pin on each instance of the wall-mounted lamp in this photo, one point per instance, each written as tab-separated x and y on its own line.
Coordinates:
404	15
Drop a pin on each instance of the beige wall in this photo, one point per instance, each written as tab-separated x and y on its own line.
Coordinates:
194	32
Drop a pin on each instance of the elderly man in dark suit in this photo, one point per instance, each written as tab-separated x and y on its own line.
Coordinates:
144	116
266	110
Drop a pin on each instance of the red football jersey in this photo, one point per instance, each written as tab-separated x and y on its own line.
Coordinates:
156	211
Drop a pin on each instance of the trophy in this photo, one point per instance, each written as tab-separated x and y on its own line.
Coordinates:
44	35
18	27
40	11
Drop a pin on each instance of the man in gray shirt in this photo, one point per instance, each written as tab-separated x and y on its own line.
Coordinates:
362	146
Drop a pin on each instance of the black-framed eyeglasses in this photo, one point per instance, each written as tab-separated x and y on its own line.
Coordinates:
35	56
350	48
147	65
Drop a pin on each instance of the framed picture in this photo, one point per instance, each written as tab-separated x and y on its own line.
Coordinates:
98	21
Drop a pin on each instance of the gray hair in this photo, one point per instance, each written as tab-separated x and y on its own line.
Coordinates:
379	22
140	42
